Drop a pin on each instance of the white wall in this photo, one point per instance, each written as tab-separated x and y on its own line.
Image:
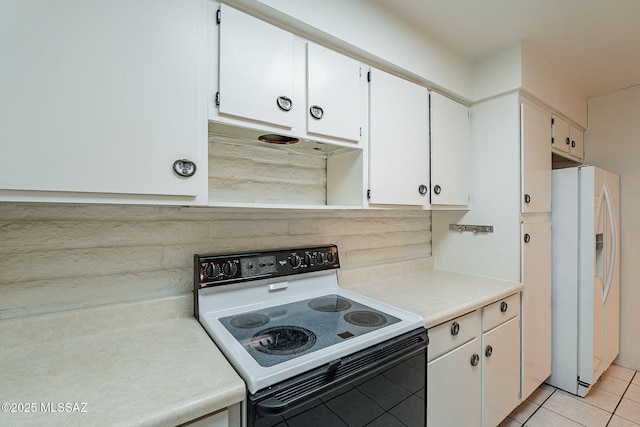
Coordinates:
612	142
60	257
519	66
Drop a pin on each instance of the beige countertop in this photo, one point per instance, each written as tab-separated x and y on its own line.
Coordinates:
435	295
151	364
147	364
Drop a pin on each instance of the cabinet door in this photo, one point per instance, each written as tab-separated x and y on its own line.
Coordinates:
536	305
102	97
450	151
256	70
567	139
453	388
536	158
333	94
577	143
560	135
501	372
398	140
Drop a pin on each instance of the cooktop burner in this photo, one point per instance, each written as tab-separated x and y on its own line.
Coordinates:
283	332
329	304
251	320
365	318
283	340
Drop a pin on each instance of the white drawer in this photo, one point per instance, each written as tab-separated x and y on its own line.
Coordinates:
453	333
500	311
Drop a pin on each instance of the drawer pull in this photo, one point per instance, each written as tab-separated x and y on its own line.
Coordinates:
455	328
504	306
488	351
475	359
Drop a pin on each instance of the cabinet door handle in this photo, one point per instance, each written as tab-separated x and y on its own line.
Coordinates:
488	351
184	167
503	307
527	237
455	328
573	144
422	189
437	189
568	141
284	103
527	198
316	112
475	359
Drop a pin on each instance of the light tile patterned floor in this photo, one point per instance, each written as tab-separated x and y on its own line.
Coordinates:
613	402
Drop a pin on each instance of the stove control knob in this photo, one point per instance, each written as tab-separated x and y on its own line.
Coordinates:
229	268
331	257
319	258
212	270
308	259
295	261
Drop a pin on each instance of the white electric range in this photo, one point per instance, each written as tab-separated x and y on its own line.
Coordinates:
284	323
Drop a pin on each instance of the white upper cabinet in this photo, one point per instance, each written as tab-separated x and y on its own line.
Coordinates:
536	158
102	97
450	151
398	141
567	140
268	80
256	70
333	102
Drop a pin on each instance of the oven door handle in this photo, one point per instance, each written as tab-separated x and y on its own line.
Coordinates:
271	406
355	368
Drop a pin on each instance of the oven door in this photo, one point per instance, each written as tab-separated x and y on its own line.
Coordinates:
384	384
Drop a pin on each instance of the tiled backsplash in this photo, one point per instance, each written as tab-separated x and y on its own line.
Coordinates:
59	257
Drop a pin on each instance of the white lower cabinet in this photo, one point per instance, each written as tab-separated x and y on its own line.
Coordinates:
228	417
219	419
473	372
453	388
500	372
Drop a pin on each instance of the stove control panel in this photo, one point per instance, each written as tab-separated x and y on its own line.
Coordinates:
216	270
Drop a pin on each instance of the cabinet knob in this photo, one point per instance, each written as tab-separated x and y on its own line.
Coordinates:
184	167
316	112
437	189
488	351
527	238
475	359
503	307
422	189
284	103
568	141
455	328
573	144
527	198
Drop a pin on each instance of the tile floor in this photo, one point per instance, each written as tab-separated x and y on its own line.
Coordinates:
612	402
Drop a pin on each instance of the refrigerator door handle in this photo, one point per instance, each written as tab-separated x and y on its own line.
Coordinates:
613	246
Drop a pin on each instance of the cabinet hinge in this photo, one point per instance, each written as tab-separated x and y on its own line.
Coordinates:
553	121
361	131
217	98
218	16
368	194
368	76
553	140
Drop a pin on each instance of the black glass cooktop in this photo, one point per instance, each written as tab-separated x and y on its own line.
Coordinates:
276	334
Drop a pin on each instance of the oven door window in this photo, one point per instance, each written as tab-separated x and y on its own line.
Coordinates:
388	393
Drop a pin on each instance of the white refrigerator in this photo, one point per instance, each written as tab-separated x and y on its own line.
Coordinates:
585	224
